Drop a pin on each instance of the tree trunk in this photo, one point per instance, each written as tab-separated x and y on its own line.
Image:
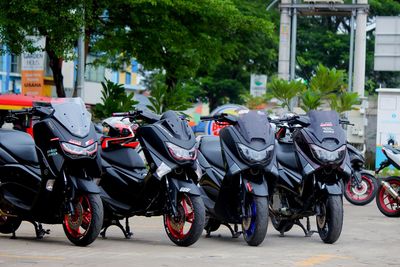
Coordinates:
56	66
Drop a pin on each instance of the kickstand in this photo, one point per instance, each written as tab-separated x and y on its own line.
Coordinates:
307	231
126	231
234	232
39	231
13	232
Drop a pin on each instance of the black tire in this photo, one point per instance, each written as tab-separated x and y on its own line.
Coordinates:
8	224
330	222
85	205
281	225
255	223
192	218
363	195
211	224
385	202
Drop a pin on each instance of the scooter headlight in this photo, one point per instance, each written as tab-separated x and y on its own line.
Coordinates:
326	156
76	151
255	155
180	153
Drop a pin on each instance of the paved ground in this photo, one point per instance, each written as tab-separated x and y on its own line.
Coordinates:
368	238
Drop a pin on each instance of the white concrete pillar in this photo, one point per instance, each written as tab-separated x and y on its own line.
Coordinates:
360	50
284	43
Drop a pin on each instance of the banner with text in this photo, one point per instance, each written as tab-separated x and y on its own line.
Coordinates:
32	70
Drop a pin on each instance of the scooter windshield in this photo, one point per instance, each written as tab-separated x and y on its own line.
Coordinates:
73	115
325	125
254	125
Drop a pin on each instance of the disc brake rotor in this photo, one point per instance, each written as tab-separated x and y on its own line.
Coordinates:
178	221
321	219
75	221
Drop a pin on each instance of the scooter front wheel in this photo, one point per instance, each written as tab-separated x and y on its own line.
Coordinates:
255	221
186	228
388	205
363	193
330	221
84	225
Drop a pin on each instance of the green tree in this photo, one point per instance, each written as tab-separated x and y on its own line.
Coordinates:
114	99
344	101
285	91
188	39
326	40
162	100
59	21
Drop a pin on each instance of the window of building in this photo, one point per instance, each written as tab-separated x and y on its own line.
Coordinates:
94	73
15	63
2	59
128	78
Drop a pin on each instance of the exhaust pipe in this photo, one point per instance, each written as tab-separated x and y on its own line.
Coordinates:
390	190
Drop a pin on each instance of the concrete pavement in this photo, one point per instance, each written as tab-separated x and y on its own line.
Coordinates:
368	239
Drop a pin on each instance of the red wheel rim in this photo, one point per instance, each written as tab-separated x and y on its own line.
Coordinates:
363	193
78	223
387	202
179	227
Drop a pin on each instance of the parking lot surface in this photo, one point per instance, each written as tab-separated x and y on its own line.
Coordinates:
368	239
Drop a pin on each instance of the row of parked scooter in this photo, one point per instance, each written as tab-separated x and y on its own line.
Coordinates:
285	169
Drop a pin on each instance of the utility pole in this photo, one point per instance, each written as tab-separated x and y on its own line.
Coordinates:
80	77
284	42
360	50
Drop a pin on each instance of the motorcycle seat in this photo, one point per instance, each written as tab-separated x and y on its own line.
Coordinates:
19	144
210	147
285	154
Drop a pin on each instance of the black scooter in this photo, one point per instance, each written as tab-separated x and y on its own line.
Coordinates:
168	187
49	179
239	170
361	188
313	161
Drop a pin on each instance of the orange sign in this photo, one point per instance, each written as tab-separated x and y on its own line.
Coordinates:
32	82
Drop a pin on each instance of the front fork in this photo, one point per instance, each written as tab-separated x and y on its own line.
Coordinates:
175	186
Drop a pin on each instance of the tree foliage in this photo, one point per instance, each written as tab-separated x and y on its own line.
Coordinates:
162	99
285	91
114	99
59	21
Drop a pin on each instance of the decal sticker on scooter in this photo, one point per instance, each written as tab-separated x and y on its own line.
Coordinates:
326	127
52	152
184	189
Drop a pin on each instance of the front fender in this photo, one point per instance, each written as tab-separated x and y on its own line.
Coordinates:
257	189
184	186
83	185
331	189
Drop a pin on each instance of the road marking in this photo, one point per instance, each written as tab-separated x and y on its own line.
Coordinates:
31	257
318	259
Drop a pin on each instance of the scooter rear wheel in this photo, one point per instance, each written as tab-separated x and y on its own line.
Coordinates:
83	227
385	202
186	228
281	225
8	223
